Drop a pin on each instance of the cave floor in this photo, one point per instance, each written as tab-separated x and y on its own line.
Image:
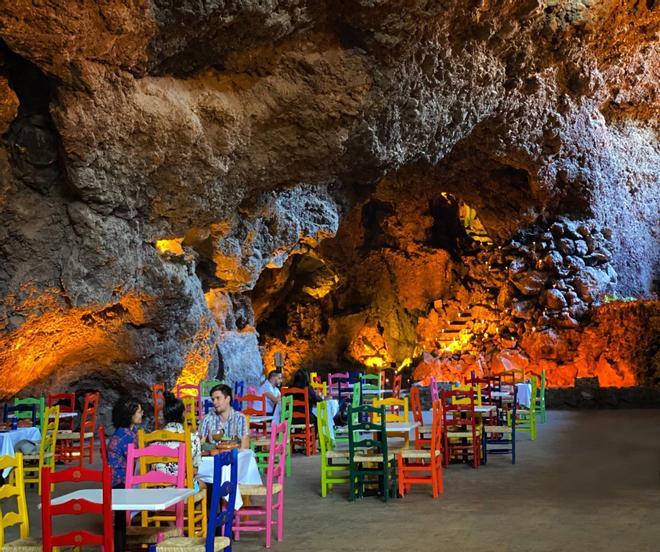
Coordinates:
591	481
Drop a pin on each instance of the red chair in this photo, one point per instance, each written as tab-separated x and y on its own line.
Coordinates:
255	405
158	397
396	386
190	390
423	466
155	453
83	440
462	427
103	446
75	507
302	432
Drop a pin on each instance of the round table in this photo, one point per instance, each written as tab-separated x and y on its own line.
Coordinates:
8	440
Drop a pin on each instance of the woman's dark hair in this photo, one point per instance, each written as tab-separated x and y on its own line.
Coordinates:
123	410
301	379
223	388
173	409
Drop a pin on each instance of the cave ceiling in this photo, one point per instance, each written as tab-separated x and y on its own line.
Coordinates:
244	131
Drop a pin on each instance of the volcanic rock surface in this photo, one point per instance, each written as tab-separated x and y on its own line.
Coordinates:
161	163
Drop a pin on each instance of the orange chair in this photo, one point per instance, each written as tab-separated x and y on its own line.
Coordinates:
254	405
158	395
422	432
83	440
302	432
423	466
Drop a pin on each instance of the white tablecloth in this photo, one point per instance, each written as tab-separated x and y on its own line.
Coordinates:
8	440
248	472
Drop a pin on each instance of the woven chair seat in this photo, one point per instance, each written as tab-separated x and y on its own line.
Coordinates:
462	434
72	435
298	426
36	456
258	490
149	535
498	429
336	454
372	457
261	442
191	544
425	429
419	453
24	545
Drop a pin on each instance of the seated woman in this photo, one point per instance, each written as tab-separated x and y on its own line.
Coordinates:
126	414
173	412
302	381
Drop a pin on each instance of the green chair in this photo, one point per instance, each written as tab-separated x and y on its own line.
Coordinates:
370	382
368	455
41	404
206	386
540	399
334	463
341	433
526	417
261	444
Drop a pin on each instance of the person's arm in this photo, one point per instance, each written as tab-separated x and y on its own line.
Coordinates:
274	398
244	433
203	430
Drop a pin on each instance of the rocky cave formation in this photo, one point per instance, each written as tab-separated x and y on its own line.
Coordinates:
186	187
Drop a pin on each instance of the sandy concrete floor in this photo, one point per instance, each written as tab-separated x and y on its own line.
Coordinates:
591	481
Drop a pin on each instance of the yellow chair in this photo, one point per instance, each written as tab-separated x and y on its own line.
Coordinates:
396	411
193	514
46	456
15	488
190	415
467	387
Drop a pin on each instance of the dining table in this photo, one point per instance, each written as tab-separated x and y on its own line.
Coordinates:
9	439
129	500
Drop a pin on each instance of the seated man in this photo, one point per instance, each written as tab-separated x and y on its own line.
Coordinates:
271	389
223	419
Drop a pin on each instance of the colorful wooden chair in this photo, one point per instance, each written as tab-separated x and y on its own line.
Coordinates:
526	417
302	431
334	463
396	386
433	388
158	398
219	516
67	404
423	466
272	512
188	390
318	385
500	438
260	445
190	405
513	376
540	399
338	384
77	442
396	411
145	533
239	391
38	402
464	399
422	432
462	427
12	494
34	463
371	382
206	386
368	453
103	446
341	433
254	405
77	538
21	411
195	518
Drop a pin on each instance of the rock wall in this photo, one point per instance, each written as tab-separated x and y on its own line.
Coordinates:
154	156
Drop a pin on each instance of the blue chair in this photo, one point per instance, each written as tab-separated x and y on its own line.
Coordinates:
500	438
18	409
239	391
219	518
208	405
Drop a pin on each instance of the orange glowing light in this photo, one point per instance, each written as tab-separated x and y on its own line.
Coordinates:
172	246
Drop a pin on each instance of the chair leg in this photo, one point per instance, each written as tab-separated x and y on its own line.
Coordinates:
269	518
324	485
280	516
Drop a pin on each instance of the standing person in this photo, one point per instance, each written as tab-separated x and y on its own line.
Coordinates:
126	414
224	419
271	389
173	412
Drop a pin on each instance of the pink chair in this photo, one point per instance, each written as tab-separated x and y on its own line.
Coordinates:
191	390
336	381
155	535
273	491
433	387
